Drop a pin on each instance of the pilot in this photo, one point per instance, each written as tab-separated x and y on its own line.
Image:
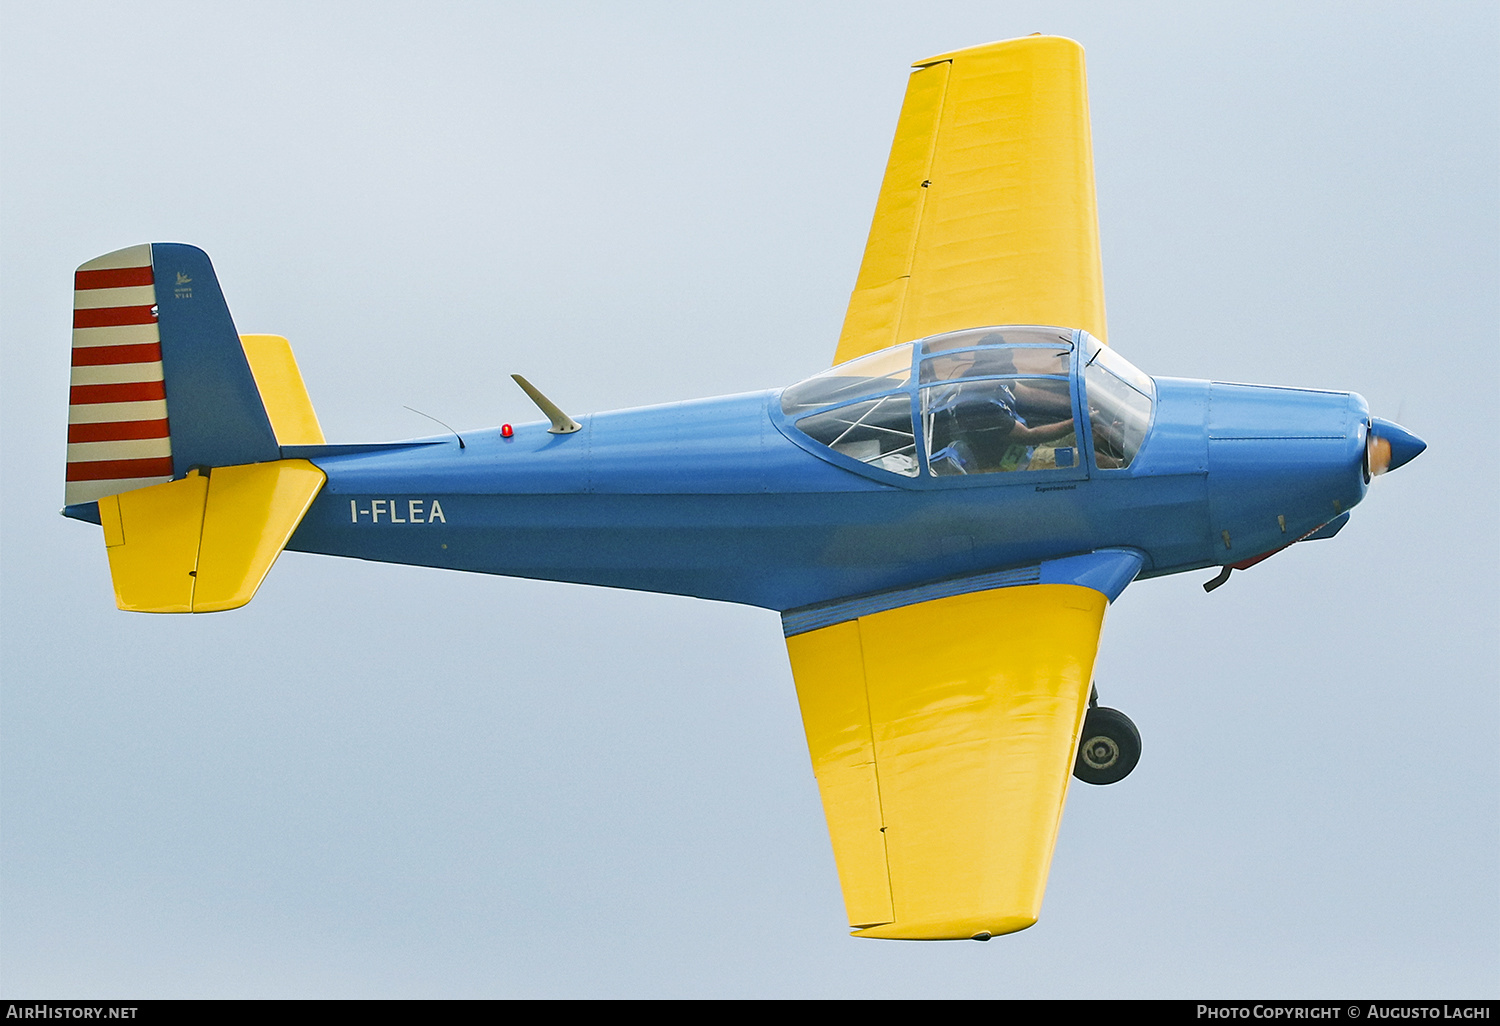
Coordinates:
974	425
1037	397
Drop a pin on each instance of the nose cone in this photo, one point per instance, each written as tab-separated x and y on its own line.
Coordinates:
1392	446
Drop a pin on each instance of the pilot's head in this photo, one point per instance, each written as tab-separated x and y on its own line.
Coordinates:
951	366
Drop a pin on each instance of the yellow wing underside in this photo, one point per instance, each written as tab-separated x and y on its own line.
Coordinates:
943	736
987	212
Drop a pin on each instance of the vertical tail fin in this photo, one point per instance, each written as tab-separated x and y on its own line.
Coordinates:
160	381
170	444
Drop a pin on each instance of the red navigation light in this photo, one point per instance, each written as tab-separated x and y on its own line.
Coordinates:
506	430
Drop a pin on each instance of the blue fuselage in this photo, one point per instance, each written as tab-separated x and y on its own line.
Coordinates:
721	499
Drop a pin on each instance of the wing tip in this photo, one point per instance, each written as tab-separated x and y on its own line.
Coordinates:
981	927
1035	39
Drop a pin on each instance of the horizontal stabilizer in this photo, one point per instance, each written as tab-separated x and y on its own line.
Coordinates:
282	390
204	543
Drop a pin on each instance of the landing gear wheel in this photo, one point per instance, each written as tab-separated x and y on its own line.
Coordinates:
1109	749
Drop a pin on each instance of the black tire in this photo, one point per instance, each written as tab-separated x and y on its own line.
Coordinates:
1109	749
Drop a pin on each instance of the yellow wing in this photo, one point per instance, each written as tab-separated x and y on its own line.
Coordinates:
943	736
987	212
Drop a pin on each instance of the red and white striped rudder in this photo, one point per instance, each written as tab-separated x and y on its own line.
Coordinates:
118	435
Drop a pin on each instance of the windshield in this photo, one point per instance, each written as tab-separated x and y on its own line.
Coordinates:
1119	398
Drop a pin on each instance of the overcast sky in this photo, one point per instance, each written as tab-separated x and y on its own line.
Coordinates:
383	781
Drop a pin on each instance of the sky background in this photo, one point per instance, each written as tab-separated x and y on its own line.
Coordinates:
381	781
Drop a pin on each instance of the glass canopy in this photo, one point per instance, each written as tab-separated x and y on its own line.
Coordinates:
980	401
